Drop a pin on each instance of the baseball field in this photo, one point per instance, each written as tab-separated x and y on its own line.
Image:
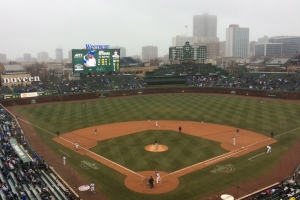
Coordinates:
199	161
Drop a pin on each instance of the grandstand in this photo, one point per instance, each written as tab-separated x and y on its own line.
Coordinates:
25	174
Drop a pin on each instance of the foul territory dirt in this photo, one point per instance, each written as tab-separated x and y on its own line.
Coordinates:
247	141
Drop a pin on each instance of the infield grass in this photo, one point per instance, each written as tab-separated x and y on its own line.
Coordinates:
243	113
184	150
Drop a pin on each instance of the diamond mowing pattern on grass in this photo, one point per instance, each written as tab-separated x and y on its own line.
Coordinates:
184	150
231	111
275	115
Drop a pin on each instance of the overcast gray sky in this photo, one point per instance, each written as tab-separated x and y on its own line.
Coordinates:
32	26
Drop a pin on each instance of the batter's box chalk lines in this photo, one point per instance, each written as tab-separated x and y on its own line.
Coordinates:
86	150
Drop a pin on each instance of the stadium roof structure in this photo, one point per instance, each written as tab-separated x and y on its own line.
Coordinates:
14	69
278	61
256	62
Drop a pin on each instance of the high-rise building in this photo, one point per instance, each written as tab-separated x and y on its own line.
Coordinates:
59	54
42	56
263	40
180	40
237	41
70	56
149	52
222	48
252	48
268	50
122	50
2	58
27	57
290	44
205	25
212	46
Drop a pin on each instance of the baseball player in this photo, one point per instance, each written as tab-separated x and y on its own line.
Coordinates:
92	186
156	146
202	121
269	149
149	119
64	160
76	146
237	132
233	140
96	132
89	60
157	177
156	123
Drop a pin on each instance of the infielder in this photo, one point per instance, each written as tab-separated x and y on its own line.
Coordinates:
157	177
89	60
269	149
92	186
76	146
237	132
156	123
233	140
64	160
96	132
156	146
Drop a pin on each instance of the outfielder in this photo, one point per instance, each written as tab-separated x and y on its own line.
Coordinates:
89	60
157	177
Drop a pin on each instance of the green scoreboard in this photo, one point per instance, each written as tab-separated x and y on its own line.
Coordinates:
95	60
187	52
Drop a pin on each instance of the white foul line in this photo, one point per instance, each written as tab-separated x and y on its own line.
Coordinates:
65	153
225	156
84	149
256	156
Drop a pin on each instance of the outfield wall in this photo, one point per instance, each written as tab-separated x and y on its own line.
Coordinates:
121	93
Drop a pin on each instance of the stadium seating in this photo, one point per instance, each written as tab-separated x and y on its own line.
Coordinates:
20	180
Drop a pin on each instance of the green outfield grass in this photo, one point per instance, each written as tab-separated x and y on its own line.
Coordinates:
244	113
184	150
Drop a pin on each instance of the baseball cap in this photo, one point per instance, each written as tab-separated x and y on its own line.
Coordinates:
91	52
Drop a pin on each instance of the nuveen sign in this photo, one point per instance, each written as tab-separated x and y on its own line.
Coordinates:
20	79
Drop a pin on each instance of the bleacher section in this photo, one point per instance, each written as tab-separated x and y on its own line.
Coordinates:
28	176
195	75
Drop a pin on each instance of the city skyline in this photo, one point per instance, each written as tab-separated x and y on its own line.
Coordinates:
70	25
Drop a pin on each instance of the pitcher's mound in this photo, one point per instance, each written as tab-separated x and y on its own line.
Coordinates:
159	148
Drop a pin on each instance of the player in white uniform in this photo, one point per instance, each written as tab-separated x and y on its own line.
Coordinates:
76	145
90	61
157	177
92	188
64	160
269	149
233	140
156	123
